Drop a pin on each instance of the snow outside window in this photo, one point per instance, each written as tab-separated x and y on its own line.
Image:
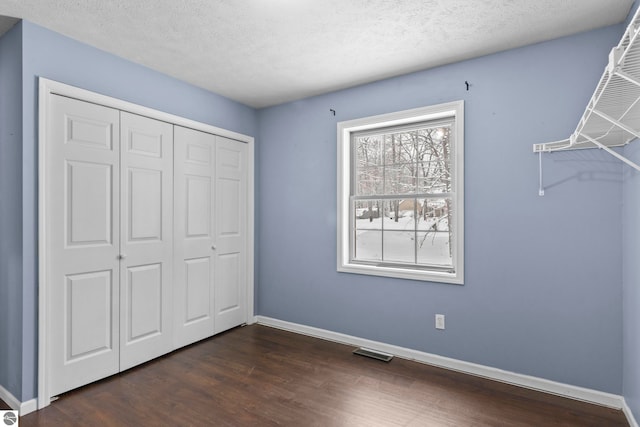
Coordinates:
400	194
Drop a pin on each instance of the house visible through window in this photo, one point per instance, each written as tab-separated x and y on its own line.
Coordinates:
400	194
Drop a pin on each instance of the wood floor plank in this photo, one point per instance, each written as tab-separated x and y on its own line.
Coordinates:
260	376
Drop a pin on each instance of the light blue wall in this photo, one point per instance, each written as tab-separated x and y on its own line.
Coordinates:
631	275
11	212
543	274
542	295
631	281
51	55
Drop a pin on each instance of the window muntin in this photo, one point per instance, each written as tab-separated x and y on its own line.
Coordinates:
401	194
413	162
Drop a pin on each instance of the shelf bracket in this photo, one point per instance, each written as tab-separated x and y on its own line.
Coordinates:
552	146
612	152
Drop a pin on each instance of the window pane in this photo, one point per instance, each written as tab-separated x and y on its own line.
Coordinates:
433	214
434	160
369	180
399	230
368	210
368	245
368	150
434	248
399	148
399	246
434	233
368	230
399	214
400	179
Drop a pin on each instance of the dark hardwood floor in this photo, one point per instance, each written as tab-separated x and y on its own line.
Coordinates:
259	376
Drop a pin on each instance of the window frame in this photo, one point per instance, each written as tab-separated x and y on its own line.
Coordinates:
345	169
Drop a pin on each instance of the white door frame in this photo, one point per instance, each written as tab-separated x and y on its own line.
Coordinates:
47	88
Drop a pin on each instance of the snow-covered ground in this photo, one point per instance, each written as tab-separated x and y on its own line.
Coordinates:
399	240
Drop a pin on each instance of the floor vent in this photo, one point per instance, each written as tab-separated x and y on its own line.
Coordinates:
374	354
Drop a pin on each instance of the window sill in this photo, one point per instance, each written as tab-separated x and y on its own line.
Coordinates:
402	273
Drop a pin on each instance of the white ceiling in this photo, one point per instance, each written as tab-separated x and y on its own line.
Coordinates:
266	52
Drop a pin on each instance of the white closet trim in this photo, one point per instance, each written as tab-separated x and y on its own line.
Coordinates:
48	88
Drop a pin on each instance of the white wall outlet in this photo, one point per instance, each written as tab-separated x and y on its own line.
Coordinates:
439	321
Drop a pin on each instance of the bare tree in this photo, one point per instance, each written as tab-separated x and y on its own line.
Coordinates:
406	164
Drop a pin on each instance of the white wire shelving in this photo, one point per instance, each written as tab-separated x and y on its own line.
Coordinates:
612	116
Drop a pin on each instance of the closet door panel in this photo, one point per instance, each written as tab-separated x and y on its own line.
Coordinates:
88	302
231	229
88	200
82	222
144	215
229	292
198	290
144	298
146	239
194	253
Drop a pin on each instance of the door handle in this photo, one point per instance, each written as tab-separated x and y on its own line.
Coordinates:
122	256
213	247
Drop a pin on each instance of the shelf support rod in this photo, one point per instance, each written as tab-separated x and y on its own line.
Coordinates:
613	153
540	187
617	123
627	77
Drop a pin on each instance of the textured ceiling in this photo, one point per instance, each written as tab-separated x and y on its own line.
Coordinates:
266	52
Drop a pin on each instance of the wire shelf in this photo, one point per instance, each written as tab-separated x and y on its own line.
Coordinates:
612	116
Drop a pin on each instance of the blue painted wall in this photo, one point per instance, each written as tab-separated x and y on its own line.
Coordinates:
10	208
631	275
543	290
542	294
631	281
51	55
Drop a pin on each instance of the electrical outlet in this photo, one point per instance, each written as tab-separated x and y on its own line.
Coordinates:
439	321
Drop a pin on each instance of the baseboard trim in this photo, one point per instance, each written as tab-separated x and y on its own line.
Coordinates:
24	408
28	407
534	383
627	413
9	399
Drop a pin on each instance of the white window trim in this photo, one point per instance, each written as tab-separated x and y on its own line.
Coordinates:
345	129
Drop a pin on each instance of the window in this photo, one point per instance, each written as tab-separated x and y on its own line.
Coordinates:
400	194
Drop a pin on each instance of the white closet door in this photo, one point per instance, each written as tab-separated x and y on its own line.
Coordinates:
82	222
146	239
194	245
231	234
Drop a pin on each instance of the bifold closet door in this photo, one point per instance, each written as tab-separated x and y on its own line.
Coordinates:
194	244
146	239
231	234
82	235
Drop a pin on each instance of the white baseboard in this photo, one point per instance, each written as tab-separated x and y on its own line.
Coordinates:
526	381
28	407
24	408
9	399
627	413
